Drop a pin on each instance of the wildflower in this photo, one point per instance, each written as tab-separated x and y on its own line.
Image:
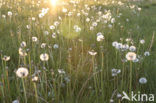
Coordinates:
46	33
136	60
34	39
139	9
44	57
35	79
88	19
23	44
131	56
142	80
115	72
113	20
64	10
111	101
22	72
77	28
6	58
119	46
9	13
91	28
114	44
61	71
125	47
78	14
28	26
127	20
128	39
33	18
132	48
142	41
53	35
94	24
147	53
93	53
56	23
55	46
22	52
4	16
119	95
100	37
43	45
15	101
52	27
67	79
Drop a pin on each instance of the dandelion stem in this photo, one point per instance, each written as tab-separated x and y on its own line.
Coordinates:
36	95
25	96
130	77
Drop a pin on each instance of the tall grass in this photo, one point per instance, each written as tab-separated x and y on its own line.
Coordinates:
79	68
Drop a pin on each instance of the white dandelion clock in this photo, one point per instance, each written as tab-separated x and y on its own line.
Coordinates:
132	48
93	53
22	52
6	58
22	72
100	37
34	39
142	80
115	43
23	44
43	45
35	79
142	41
44	57
115	72
9	13
56	46
15	101
147	53
131	56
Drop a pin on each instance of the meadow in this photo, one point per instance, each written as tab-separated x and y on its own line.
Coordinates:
77	51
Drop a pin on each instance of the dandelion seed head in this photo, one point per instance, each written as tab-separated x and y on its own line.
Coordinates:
115	72
22	52
64	10
61	71
53	35
52	27
132	48
35	79
6	58
92	52
44	57
100	37
9	13
142	41
43	45
119	95
34	39
22	72
15	101
115	43
23	44
131	56
56	46
111	101
142	80
147	53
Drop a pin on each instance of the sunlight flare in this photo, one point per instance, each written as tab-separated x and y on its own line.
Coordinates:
53	2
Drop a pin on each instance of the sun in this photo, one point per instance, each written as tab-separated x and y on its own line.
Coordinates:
53	2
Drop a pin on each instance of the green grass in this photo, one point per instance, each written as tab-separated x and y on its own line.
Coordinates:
87	78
